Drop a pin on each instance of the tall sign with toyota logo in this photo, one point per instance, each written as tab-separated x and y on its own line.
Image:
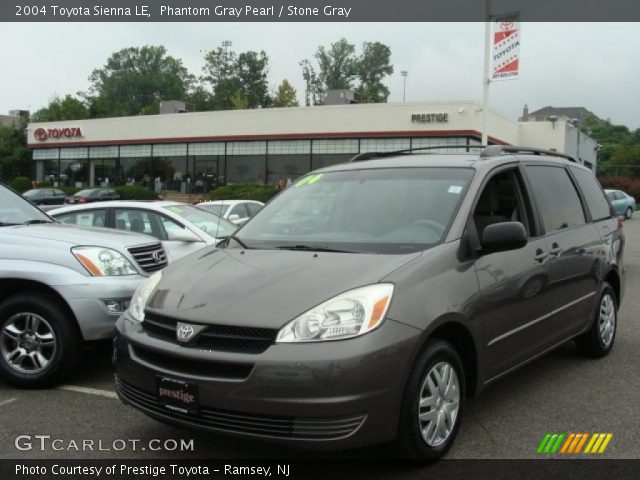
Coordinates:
505	47
42	134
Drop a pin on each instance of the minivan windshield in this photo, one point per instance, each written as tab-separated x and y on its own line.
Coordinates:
390	210
15	210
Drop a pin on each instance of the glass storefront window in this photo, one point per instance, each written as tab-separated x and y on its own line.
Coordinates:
246	162
287	160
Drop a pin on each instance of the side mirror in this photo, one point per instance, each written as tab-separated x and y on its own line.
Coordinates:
182	235
234	217
500	237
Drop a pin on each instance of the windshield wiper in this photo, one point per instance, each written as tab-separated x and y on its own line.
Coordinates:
8	224
311	248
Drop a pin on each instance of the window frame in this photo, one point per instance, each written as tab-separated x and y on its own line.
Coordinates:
583	198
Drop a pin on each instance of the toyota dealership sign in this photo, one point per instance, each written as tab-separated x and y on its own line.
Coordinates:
42	134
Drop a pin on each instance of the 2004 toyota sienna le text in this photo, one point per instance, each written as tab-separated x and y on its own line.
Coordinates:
368	300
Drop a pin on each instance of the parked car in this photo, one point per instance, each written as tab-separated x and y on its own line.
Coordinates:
182	228
45	196
420	280
623	203
236	211
59	286
93	195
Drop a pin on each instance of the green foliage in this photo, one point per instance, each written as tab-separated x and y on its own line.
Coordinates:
67	108
373	65
285	95
617	144
21	184
135	192
239	100
15	157
338	66
249	191
229	73
134	80
69	191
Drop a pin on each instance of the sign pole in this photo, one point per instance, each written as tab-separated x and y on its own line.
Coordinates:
485	75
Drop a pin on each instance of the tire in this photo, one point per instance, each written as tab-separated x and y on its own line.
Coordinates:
597	342
45	356
628	213
410	442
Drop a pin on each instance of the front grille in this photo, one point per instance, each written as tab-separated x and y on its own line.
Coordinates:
151	258
188	366
264	425
223	338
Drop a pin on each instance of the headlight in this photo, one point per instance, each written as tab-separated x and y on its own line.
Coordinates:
142	294
100	261
350	314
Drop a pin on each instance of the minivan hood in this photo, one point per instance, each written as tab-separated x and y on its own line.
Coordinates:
263	288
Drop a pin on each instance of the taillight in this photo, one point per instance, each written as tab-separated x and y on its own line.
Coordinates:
620	224
82	200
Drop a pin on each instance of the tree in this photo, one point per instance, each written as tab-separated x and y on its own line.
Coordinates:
373	65
67	108
134	80
338	67
239	100
228	72
286	95
15	157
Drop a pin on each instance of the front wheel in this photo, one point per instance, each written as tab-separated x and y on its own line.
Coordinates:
430	413
598	340
628	213
39	344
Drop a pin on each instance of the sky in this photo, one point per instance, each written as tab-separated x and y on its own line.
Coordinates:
594	65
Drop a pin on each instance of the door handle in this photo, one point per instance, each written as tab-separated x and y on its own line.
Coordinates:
555	250
540	255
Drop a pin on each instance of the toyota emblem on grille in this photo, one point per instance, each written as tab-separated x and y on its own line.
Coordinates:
157	256
184	333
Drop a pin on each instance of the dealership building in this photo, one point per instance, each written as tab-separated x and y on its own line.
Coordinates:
188	152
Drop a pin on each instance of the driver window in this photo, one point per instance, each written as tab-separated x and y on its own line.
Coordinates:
499	202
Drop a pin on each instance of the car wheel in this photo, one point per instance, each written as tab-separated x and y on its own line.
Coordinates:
39	344
598	340
628	213
432	404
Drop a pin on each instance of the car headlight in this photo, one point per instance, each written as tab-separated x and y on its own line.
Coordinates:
100	261
142	294
349	314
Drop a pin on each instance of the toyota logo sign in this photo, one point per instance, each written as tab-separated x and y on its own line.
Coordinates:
42	134
184	333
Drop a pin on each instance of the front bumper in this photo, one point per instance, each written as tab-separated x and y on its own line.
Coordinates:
338	394
87	301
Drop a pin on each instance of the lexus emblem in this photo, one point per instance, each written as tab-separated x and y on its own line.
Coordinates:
184	333
157	256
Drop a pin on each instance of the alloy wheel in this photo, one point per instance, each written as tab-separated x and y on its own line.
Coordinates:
439	403
607	319
27	343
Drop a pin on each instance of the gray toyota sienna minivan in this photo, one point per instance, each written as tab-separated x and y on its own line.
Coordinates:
369	299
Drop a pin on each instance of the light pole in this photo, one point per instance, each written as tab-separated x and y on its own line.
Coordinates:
404	74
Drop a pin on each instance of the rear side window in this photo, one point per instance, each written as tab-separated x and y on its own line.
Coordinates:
556	197
593	194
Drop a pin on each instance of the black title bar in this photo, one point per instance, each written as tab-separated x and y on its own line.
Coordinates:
314	10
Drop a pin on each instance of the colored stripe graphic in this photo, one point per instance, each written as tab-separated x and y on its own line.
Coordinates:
573	443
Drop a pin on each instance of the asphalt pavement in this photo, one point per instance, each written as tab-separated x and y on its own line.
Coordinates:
561	392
